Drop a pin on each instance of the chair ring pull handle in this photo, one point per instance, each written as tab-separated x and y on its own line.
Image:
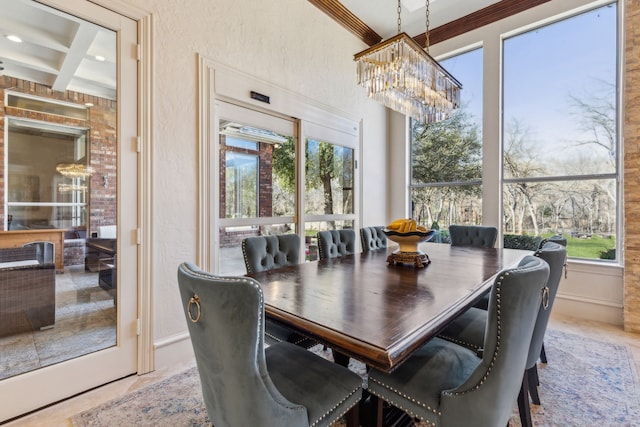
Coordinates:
545	298
194	300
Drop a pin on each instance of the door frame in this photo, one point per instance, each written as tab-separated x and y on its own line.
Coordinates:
218	82
52	382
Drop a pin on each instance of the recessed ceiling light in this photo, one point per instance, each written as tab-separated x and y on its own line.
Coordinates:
88	104
100	58
14	38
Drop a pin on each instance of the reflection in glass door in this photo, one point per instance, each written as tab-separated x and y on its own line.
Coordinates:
329	191
274	182
61	202
257	181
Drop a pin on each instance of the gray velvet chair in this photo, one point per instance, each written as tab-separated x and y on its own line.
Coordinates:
373	238
336	243
469	328
446	384
473	235
333	244
263	253
246	384
561	240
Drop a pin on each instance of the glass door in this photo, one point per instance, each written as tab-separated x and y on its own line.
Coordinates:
257	187
70	325
330	183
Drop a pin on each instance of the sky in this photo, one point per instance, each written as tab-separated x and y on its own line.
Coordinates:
543	68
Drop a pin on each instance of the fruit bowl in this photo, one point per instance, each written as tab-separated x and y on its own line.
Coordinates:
409	240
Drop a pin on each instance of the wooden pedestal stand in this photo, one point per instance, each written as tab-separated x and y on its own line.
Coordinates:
419	259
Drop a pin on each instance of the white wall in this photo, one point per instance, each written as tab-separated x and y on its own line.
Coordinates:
288	43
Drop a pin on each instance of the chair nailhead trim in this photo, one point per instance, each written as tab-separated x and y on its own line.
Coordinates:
244	280
498	340
460	342
400	406
330	411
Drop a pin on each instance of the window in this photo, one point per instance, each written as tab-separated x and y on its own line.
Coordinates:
560	142
329	179
241	181
446	157
48	175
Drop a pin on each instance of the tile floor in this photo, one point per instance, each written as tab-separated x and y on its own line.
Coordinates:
60	414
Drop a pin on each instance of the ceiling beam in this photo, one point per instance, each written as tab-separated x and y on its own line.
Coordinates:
497	11
347	19
490	14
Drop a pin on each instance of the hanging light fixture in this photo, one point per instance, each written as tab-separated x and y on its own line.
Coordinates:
74	170
403	76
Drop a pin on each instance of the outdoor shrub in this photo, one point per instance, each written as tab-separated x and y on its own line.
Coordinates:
608	254
516	241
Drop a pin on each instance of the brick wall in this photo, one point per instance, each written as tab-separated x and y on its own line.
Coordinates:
632	167
102	151
102	142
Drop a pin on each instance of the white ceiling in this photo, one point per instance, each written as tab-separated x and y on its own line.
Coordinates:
57	49
382	15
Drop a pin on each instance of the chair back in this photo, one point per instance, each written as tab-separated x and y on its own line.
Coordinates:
45	251
554	255
492	388
473	235
556	238
225	317
336	243
262	253
373	238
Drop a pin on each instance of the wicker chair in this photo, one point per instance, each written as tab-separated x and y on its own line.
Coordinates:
27	291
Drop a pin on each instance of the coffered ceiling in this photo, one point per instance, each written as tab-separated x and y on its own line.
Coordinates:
57	49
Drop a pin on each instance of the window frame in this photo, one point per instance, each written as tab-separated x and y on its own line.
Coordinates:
491	38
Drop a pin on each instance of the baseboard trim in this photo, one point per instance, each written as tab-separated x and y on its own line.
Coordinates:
173	350
598	310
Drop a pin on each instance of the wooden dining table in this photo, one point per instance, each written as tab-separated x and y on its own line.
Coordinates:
363	307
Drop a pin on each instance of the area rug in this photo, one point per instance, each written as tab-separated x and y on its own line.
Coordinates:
586	383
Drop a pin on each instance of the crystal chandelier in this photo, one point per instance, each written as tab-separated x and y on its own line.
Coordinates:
74	170
403	76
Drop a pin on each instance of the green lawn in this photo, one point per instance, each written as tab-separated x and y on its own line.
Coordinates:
589	247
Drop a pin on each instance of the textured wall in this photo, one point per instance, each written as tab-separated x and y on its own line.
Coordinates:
289	43
632	167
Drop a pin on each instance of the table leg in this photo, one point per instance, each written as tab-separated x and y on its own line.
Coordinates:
340	359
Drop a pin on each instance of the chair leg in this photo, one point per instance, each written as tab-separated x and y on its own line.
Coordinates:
375	410
532	378
352	417
340	359
523	403
543	354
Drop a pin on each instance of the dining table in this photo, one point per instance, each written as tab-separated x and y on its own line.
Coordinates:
379	312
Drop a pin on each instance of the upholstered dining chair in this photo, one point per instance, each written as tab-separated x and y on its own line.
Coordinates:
333	244
263	253
446	384
469	328
561	240
373	238
336	243
473	235
244	383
